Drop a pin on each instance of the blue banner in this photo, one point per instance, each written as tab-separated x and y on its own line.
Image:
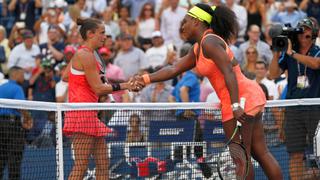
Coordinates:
180	131
119	134
213	131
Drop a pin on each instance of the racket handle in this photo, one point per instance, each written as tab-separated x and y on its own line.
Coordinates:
242	105
111	98
242	102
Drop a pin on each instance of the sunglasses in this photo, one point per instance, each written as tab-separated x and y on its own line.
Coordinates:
148	9
251	52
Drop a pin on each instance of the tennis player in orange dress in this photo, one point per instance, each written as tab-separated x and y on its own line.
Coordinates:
211	28
85	86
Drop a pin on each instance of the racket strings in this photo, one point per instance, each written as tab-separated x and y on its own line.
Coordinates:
239	158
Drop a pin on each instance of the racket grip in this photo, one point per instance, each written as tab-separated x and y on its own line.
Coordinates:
111	98
242	102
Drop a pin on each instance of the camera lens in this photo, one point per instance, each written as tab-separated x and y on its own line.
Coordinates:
281	43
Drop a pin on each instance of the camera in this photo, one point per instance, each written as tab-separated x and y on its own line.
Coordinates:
280	35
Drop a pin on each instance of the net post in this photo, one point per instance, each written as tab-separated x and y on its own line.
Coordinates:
59	145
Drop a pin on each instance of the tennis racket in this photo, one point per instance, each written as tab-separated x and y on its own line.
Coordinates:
103	71
233	160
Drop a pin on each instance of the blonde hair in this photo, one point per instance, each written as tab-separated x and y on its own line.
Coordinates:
245	64
3	30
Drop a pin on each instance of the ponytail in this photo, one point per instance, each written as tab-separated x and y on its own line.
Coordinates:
224	22
89	24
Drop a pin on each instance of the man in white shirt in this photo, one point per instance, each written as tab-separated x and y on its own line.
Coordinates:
156	56
242	17
42	25
261	77
23	55
130	58
170	23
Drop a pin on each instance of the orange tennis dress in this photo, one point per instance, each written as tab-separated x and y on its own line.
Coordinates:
83	121
249	89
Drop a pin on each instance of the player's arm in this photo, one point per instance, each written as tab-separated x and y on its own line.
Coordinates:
183	64
89	66
213	49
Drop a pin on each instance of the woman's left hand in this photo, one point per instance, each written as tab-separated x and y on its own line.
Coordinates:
239	115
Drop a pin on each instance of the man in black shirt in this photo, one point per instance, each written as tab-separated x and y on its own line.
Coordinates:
303	65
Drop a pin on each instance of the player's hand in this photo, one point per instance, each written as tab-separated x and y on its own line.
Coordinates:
239	115
136	83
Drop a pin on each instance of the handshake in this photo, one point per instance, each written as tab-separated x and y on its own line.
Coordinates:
138	82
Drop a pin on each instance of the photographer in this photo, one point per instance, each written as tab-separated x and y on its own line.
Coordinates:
302	60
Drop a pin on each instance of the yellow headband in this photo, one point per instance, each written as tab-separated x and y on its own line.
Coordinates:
200	14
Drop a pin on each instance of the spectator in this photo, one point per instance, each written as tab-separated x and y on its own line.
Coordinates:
47	20
114	74
136	6
124	13
312	8
272	7
261	78
249	65
54	47
109	43
95	8
187	90
15	36
158	92
134	133
146	26
3	10
59	6
61	89
302	64
156	56
28	50
74	39
171	19
25	11
71	16
2	79
112	28
124	26
73	13
42	88
130	58
263	48
291	15
68	52
256	13
4	49
242	18
12	125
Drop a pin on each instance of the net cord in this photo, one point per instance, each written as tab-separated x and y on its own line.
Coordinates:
49	106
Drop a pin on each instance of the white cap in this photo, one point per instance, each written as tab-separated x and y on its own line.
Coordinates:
156	34
60	3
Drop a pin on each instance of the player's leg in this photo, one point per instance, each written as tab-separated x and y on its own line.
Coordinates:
261	152
82	146
295	140
100	154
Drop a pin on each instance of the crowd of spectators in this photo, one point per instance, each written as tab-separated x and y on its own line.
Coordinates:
41	36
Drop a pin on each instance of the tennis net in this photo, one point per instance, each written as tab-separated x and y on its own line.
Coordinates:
147	140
